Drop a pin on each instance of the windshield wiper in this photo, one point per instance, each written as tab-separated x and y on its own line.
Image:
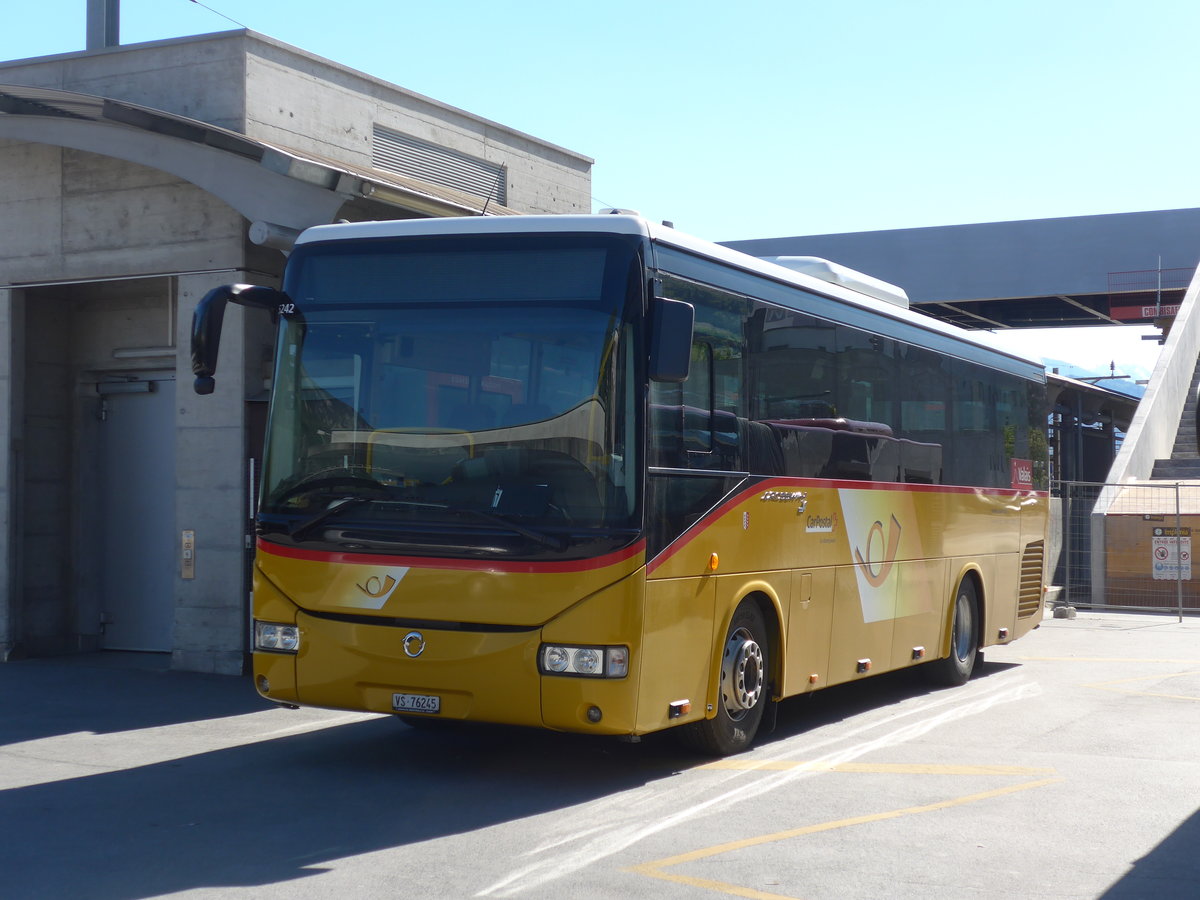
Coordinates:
545	540
338	506
299	530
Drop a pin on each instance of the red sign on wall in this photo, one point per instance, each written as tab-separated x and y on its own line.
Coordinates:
1022	474
1138	313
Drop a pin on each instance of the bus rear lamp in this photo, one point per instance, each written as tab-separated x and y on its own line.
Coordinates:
586	662
276	637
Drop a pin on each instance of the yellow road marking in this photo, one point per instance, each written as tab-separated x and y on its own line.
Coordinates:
782	765
657	868
1108	659
1112	686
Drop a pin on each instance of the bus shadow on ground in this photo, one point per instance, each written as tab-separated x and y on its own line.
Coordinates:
277	810
797	715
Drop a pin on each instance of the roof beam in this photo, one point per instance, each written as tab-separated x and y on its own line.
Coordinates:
963	312
1087	309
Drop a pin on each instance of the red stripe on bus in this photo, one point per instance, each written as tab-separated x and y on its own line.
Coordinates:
768	484
437	562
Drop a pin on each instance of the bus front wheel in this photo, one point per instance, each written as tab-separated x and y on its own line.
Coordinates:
744	691
956	668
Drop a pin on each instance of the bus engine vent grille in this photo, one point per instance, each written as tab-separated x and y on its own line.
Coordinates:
1029	598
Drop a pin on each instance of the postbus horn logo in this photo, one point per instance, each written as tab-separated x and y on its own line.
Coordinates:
378	589
876	571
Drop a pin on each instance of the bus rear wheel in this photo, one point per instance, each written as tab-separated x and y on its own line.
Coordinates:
744	692
956	668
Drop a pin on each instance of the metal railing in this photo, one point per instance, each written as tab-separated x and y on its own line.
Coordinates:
1136	556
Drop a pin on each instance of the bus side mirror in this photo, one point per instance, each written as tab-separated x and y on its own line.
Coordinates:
207	320
671	324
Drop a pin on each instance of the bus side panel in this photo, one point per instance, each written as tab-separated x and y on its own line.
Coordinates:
809	624
922	599
857	641
1000	599
677	644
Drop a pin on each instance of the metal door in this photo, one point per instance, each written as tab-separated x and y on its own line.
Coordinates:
137	512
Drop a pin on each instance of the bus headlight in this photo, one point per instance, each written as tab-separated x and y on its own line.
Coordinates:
586	662
276	637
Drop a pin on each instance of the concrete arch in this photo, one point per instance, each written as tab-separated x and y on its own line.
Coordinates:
262	182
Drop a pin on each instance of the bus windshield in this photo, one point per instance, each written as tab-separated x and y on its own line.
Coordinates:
460	397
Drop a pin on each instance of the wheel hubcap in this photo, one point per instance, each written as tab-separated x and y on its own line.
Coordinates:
741	673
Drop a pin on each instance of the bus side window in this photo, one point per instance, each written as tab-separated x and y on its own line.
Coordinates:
681	415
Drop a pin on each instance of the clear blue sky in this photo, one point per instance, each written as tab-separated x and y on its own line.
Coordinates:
775	117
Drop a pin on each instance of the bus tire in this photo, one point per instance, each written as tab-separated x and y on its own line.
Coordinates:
956	668
744	692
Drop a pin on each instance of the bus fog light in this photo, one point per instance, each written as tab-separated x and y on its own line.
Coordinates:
584	662
264	686
594	714
276	637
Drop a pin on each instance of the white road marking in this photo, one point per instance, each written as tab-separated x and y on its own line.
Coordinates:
552	861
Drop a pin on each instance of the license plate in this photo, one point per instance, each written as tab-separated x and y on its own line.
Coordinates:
422	703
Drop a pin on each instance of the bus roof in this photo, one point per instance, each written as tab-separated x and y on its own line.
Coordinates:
633	224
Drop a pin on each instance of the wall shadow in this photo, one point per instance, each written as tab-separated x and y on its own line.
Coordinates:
277	810
1171	871
40	698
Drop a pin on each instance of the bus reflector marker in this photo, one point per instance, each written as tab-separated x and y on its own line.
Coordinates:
918	653
678	708
864	665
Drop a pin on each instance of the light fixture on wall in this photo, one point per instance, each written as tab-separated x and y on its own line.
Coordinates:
142	352
124	387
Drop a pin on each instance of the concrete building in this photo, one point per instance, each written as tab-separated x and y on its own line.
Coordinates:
132	180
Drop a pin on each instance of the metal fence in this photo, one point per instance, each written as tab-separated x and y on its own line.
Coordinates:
1125	547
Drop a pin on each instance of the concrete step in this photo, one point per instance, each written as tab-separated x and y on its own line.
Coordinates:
1176	469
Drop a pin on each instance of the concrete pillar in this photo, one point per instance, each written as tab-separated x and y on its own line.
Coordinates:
210	610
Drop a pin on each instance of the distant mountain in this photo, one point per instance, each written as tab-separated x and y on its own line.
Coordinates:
1105	379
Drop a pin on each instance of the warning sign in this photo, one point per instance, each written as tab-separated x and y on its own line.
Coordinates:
1171	554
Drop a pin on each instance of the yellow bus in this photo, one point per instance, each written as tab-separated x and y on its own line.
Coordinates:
587	473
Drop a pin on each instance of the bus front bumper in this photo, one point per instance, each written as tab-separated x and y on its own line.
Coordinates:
487	676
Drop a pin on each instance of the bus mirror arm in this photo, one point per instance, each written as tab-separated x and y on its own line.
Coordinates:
671	326
207	321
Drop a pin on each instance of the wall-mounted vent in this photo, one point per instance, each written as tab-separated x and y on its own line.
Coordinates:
415	158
